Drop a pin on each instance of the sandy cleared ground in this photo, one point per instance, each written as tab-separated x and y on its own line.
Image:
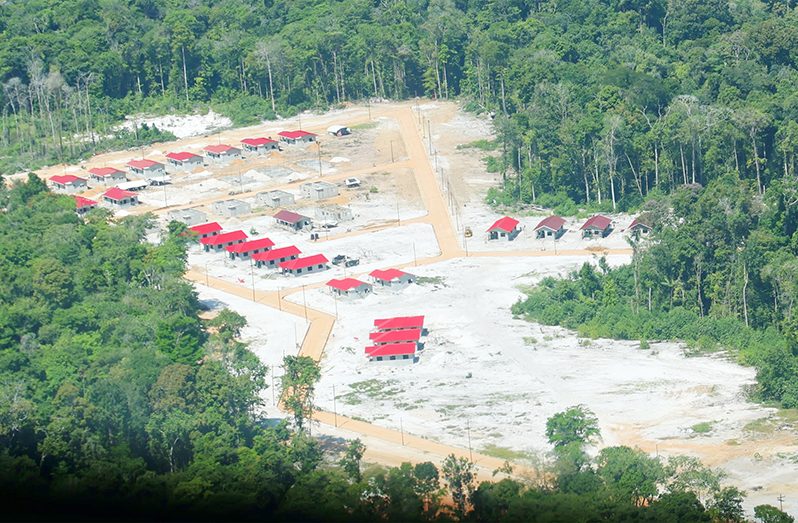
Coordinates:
484	380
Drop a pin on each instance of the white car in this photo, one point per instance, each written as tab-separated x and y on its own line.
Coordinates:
352	182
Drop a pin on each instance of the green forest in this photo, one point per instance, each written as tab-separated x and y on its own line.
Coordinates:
118	402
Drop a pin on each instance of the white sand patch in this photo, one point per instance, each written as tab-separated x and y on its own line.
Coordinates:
339	159
180	126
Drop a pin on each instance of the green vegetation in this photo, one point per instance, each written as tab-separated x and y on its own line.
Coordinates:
504	453
482	145
704	427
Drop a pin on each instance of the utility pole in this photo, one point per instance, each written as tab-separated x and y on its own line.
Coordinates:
252	277
304	303
319	144
781	502
468	431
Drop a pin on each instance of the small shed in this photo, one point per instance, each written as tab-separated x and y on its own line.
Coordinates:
334	213
505	228
146	168
243	251
120	197
84	205
306	265
222	152
219	242
399	323
391	277
259	145
338	130
597	226
319	190
184	160
637	228
292	220
274	257
231	208
206	230
276	198
349	287
405	352
68	183
550	227
107	175
188	216
296	137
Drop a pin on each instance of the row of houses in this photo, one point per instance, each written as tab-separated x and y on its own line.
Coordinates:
596	226
397	338
352	287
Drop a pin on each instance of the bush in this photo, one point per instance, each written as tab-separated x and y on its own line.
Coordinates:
245	110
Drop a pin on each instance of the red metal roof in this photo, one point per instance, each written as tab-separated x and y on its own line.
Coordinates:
290	217
597	222
636	223
220	149
206	228
295	134
405	335
182	156
225	237
387	275
401	322
142	164
505	224
65	179
115	193
257	142
303	263
104	171
345	284
276	254
391	349
81	202
553	222
250	246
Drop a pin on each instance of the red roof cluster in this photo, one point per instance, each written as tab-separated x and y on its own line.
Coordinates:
257	142
225	237
505	224
397	336
219	149
253	245
597	222
303	263
276	254
345	284
386	275
553	222
293	135
81	202
115	193
102	172
65	179
142	164
206	228
182	156
400	322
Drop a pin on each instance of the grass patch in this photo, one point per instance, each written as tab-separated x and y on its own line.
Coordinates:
430	280
363	126
530	340
482	145
370	389
760	426
704	427
504	453
788	415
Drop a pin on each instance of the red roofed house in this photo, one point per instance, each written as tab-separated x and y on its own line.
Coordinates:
222	152
275	257
349	287
292	220
391	277
146	168
84	205
550	227
315	263
221	241
120	197
398	323
68	183
504	228
107	174
295	137
597	226
184	160
636	228
206	230
397	336
392	352
259	145
243	251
